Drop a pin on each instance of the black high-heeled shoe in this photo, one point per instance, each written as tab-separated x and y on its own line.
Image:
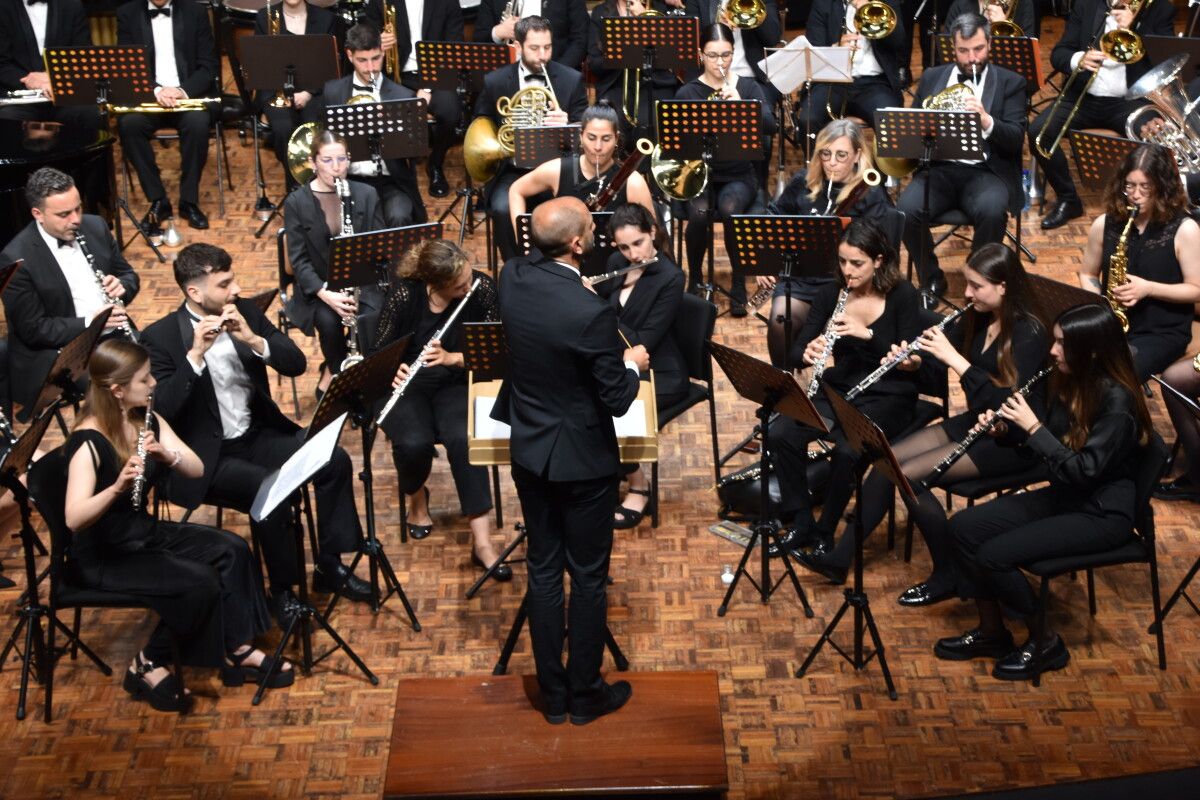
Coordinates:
502	573
238	673
627	517
167	695
419	532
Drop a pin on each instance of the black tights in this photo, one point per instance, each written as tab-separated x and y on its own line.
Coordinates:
777	340
1184	378
735	197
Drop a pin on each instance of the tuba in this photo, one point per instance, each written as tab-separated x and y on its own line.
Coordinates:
1006	26
1180	122
486	145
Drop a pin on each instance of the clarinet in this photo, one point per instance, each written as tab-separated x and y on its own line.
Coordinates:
416	366
126	327
139	481
895	361
818	367
353	356
972	436
7	436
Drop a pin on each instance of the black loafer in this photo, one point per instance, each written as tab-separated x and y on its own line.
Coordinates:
1063	212
934	290
973	644
737	308
1179	489
819	563
612	697
342	581
502	573
194	216
419	532
1028	661
438	187
924	595
159	211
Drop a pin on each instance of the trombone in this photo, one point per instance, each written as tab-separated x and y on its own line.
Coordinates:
274	28
391	59
873	20
1122	45
631	112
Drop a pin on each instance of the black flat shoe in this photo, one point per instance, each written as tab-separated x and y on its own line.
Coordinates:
167	695
194	216
973	644
1028	661
924	595
819	563
503	573
438	186
1063	212
612	697
419	532
1179	489
5	582
341	581
238	673
285	608
737	308
628	518
792	539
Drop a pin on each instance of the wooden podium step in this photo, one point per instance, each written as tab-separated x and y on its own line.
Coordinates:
480	736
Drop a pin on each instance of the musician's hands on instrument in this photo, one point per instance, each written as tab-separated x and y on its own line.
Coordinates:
112	286
504	30
1151	128
387	40
985	419
849	39
995	12
156	450
555	117
1133	290
814	349
301	99
1092	60
235	324
342	303
638	355
426	95
117	319
169	96
401	376
910	364
207	330
765	281
434	355
1018	412
934	342
974	104
1122	15
845	326
124	481
635	8
37	80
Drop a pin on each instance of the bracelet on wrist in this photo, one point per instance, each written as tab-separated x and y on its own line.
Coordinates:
175	462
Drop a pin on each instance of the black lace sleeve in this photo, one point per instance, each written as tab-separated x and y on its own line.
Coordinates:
396	319
485	302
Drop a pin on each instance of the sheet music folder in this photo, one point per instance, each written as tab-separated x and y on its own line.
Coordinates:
312	456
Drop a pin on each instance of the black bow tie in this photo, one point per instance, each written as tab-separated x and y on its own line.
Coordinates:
154	12
966	77
35	2
65	242
359	88
535	76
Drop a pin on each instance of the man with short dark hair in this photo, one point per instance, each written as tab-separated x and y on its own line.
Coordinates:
209	357
55	295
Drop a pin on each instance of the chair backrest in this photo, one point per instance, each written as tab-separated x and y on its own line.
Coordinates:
287	275
693	327
893	226
48	489
1152	464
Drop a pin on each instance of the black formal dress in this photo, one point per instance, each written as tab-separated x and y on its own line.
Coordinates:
66	26
199	70
434	406
610	82
308	249
235	466
568	26
201	581
566	381
984	190
38	304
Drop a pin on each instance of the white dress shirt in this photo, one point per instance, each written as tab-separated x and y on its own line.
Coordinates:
865	62
740	66
985	131
166	71
231	383
85	292
523	8
1110	78
366	167
416	18
38	12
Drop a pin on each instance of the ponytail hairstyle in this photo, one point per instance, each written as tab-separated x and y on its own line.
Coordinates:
1000	265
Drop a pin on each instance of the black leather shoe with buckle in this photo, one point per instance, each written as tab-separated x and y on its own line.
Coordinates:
1030	660
973	644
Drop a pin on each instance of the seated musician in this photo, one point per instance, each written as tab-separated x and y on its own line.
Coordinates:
585	174
433	22
876	67
833	184
1184	378
430	282
749	44
881	308
184	66
533	68
646	300
1163	251
733	186
984	190
56	293
313	216
209	357
994	348
496	21
294	18
1104	105
1024	14
393	179
26	30
202	582
1088	440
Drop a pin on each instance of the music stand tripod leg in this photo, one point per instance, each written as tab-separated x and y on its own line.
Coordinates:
514	633
1180	592
138	231
502	560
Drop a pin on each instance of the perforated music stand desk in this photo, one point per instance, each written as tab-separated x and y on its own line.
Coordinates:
533	147
1161	48
648	43
291	63
264	299
1051	298
602	250
459	65
99	75
1098	156
359	259
485	353
713	130
799	246
903	133
388	129
70	365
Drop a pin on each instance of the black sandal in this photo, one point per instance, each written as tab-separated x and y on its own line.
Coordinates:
167	695
627	517
419	532
236	674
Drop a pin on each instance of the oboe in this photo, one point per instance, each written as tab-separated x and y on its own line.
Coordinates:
415	367
960	450
139	481
126	327
616	273
896	360
830	337
353	356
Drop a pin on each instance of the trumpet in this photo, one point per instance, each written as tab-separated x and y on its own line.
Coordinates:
873	20
830	336
186	104
744	15
901	356
138	494
351	322
126	326
391	59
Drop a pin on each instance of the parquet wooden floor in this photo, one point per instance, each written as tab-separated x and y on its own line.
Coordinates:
832	734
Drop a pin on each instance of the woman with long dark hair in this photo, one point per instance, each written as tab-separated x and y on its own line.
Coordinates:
1088	440
201	581
995	347
1163	251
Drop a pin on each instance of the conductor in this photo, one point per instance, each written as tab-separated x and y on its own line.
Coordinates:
566	381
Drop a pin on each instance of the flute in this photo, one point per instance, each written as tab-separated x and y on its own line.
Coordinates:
139	481
616	273
896	360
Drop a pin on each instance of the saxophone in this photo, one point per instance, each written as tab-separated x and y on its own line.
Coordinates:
351	322
126	326
818	367
139	481
1118	270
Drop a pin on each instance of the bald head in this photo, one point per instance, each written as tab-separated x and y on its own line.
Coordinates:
563	227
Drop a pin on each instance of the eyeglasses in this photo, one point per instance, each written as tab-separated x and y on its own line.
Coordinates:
1144	188
726	56
841	156
331	160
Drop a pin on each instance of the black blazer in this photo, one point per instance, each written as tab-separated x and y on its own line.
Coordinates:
825	30
566	379
338	91
795	199
188	401
568	27
318	22
308	244
38	304
66	25
1004	98
195	53
1023	16
766	35
606	78
441	21
1087	17
503	82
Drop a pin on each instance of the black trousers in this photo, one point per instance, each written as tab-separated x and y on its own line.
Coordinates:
733	197
203	584
331	335
397	205
1094	112
246	461
435	410
86	117
863	98
1152	353
974	189
136	131
570	527
446	111
497	205
992	539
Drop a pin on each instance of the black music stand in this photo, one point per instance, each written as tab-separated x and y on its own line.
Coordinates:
460	67
104	75
926	135
1051	298
386	130
710	130
773	390
1098	156
535	146
298	64
264	299
646	44
787	246
61	386
865	438
602	249
1019	54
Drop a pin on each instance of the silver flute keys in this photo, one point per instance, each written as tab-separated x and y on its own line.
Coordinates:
896	360
829	337
616	273
126	326
138	496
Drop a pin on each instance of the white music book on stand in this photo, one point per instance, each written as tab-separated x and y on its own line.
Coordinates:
791	66
297	470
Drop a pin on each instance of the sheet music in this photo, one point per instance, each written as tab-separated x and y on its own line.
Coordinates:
297	470
790	66
631	424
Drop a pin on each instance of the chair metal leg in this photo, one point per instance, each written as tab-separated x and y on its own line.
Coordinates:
1156	596
1040	633
1091	587
220	167
654	494
496	501
403	518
